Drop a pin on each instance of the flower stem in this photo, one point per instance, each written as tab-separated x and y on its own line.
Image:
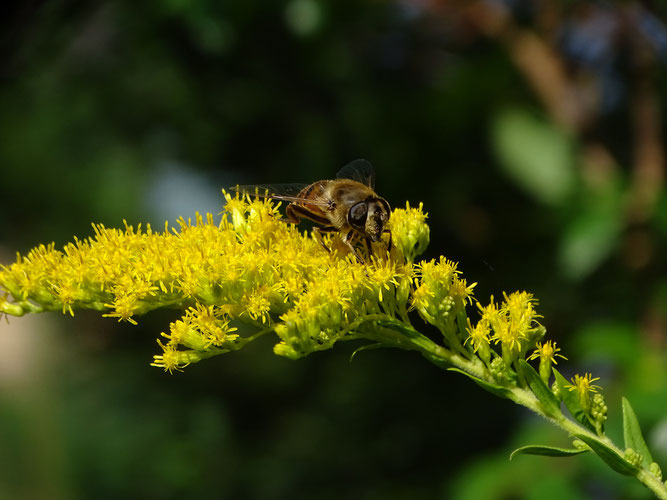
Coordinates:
445	359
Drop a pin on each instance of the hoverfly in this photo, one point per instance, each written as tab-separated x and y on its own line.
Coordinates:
347	204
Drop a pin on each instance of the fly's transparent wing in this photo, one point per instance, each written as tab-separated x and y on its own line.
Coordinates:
358	170
282	192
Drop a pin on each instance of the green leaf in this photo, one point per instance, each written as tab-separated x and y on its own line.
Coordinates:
632	433
418	340
365	348
570	398
549	451
609	455
497	390
589	239
537	155
550	403
593	232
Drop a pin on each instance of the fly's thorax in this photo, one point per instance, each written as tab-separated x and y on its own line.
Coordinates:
345	192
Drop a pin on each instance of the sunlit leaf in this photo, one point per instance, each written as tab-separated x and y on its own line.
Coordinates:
365	348
632	433
549	451
588	240
535	154
492	388
609	455
550	404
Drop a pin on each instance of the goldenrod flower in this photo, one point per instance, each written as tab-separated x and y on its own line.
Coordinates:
410	233
584	386
478	338
249	267
441	296
513	323
547	353
253	268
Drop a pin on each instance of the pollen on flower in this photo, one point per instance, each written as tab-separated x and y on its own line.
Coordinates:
583	384
67	292
382	276
221	334
479	334
291	285
124	307
172	359
257	305
546	351
461	291
334	288
202	316
169	359
202	327
178	332
422	297
409	231
504	334
520	310
585	388
513	323
439	272
440	296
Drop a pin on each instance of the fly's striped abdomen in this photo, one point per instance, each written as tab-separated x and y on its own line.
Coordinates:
315	192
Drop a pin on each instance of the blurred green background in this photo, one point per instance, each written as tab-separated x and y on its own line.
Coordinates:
532	131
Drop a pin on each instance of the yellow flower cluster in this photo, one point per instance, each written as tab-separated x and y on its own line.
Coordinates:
512	324
440	297
410	233
250	267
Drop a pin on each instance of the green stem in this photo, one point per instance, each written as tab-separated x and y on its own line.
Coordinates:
404	315
444	358
643	475
653	483
21	308
256	335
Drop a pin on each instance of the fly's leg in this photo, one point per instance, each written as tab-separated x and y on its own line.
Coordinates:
369	245
317	234
296	212
291	215
347	240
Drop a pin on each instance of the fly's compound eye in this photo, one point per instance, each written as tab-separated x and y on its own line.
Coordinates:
356	217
